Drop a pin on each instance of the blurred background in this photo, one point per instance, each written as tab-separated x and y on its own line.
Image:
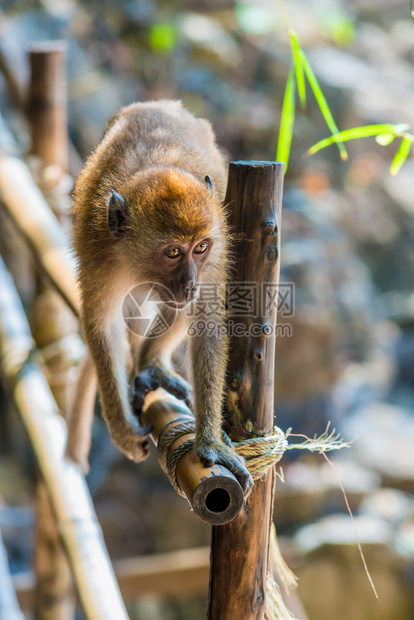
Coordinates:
347	244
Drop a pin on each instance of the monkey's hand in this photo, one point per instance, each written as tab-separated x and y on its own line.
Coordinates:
132	439
155	376
217	451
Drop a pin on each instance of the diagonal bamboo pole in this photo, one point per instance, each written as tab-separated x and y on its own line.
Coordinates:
239	550
70	499
34	219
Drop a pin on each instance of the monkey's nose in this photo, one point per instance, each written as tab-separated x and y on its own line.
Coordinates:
190	290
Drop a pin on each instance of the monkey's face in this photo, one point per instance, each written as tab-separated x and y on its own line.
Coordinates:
180	270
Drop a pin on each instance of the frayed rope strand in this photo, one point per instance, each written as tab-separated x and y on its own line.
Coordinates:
262	453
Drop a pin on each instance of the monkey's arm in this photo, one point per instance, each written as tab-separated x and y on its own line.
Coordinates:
209	357
108	349
80	413
153	363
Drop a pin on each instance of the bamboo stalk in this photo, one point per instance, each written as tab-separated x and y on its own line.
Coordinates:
239	550
33	218
9	607
213	493
67	489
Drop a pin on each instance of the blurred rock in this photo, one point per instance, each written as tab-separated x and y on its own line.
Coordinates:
384	442
312	489
332	579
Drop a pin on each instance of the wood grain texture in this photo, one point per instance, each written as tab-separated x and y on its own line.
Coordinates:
239	550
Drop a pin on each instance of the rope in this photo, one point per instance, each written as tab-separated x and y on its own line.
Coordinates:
166	439
262	452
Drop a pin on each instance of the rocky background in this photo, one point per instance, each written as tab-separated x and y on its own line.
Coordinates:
348	245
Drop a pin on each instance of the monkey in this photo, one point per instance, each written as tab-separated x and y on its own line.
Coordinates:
148	211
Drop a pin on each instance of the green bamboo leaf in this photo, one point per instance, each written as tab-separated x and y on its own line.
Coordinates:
323	105
300	77
353	134
385	138
400	156
287	120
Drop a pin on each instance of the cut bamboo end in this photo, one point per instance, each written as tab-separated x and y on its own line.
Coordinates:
213	493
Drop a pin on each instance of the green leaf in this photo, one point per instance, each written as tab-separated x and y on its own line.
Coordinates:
320	98
338	26
353	134
300	77
385	138
400	156
287	120
163	37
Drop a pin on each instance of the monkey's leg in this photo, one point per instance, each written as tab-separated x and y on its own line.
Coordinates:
80	413
209	357
108	349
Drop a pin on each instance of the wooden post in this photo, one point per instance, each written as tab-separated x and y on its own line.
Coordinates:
239	550
51	319
47	104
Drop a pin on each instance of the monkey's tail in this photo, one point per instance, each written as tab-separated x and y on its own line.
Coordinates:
80	414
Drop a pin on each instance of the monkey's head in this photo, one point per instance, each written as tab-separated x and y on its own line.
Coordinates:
170	230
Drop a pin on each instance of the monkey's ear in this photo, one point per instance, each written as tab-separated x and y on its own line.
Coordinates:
208	183
117	215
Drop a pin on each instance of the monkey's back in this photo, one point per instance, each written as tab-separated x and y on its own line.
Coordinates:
147	135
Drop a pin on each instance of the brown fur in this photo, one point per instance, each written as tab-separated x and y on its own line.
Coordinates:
155	156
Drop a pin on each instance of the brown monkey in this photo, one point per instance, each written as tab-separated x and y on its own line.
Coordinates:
148	209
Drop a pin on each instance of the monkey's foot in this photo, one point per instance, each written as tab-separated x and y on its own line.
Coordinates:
153	377
133	442
217	452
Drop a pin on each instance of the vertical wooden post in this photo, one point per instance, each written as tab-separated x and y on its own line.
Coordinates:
239	550
47	103
47	112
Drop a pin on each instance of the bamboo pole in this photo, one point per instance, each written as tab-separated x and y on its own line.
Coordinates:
9	607
213	493
239	550
34	219
67	489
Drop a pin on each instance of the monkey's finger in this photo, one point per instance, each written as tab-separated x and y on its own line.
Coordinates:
226	439
176	387
146	381
144	431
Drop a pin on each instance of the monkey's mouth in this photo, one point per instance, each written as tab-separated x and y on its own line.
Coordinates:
175	305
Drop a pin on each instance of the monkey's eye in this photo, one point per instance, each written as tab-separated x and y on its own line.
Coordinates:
173	252
200	247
